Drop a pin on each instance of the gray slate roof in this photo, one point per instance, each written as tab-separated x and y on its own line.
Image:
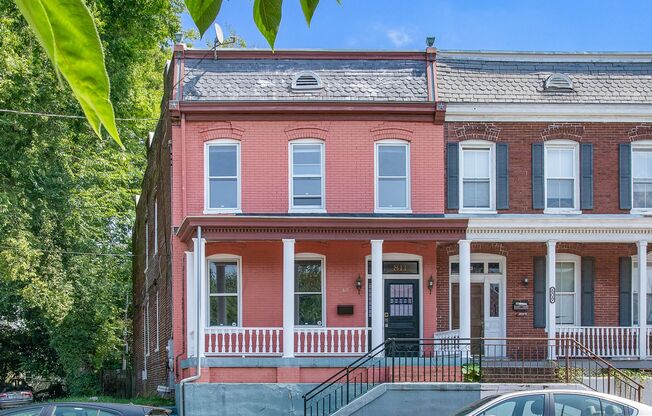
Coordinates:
271	80
491	80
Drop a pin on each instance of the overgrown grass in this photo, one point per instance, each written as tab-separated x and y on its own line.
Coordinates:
143	401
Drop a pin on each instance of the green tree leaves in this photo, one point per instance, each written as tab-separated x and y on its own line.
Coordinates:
203	12
66	30
308	7
267	15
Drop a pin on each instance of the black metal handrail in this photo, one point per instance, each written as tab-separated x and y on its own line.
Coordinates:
501	360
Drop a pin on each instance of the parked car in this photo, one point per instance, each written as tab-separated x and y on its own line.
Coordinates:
85	409
555	403
11	396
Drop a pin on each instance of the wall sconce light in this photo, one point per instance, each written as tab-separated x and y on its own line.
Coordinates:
431	284
525	281
358	284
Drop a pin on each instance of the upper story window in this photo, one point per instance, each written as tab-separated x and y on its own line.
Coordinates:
392	176
477	181
306	175
222	191
308	291
561	176
224	292
642	176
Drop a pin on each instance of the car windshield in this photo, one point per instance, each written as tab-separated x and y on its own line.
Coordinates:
475	405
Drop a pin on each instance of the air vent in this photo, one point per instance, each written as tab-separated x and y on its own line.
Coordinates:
306	81
558	82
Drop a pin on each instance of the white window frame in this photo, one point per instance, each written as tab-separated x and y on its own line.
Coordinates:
640	145
223	258
146	243
564	145
635	283
408	185
306	208
155	226
322	258
479	145
147	328
571	258
207	207
158	333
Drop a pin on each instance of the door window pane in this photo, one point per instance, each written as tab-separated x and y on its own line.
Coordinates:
307	175
223	176
616	409
577	404
635	293
308	299
518	406
74	411
642	178
494	300
565	293
392	180
29	411
560	177
223	293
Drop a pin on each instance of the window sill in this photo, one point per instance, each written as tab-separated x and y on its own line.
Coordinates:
641	211
392	211
562	211
307	211
222	211
476	211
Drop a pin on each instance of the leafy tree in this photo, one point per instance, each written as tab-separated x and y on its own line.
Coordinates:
66	199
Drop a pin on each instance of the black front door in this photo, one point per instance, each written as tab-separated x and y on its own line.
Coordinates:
401	318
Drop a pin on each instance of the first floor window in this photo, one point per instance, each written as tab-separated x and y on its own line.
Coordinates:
635	290
392	176
308	297
223	176
223	287
561	169
146	327
476	177
566	295
642	177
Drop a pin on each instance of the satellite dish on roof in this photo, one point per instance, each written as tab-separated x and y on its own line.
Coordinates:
219	35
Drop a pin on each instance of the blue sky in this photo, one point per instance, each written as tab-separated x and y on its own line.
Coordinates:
571	25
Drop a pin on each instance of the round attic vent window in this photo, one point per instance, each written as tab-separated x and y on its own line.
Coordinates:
306	80
558	82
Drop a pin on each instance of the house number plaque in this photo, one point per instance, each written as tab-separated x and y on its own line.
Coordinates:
552	294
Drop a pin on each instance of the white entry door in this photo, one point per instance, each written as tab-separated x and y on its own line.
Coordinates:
493	316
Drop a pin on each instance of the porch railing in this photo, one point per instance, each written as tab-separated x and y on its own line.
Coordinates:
604	341
243	341
331	341
447	340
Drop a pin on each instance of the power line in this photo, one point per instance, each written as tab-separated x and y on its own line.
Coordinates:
35	113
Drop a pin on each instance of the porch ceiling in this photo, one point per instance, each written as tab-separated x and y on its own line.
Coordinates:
259	228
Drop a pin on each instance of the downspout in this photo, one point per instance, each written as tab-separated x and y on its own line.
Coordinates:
182	383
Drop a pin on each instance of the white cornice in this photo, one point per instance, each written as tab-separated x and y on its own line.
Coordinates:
563	229
524	112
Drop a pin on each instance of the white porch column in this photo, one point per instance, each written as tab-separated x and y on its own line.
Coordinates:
201	302
642	299
551	277
465	289
377	301
288	298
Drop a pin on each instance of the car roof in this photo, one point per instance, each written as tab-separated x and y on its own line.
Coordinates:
576	391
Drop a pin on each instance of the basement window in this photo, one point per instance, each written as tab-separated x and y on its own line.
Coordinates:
558	82
306	81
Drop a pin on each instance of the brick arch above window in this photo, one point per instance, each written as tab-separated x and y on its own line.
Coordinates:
478	131
642	132
480	248
573	132
303	132
221	131
387	131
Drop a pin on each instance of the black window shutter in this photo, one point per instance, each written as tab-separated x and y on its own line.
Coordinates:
625	175
539	303
502	176
625	291
453	175
537	176
588	290
586	176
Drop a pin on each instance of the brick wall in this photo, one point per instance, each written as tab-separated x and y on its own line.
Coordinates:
605	138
